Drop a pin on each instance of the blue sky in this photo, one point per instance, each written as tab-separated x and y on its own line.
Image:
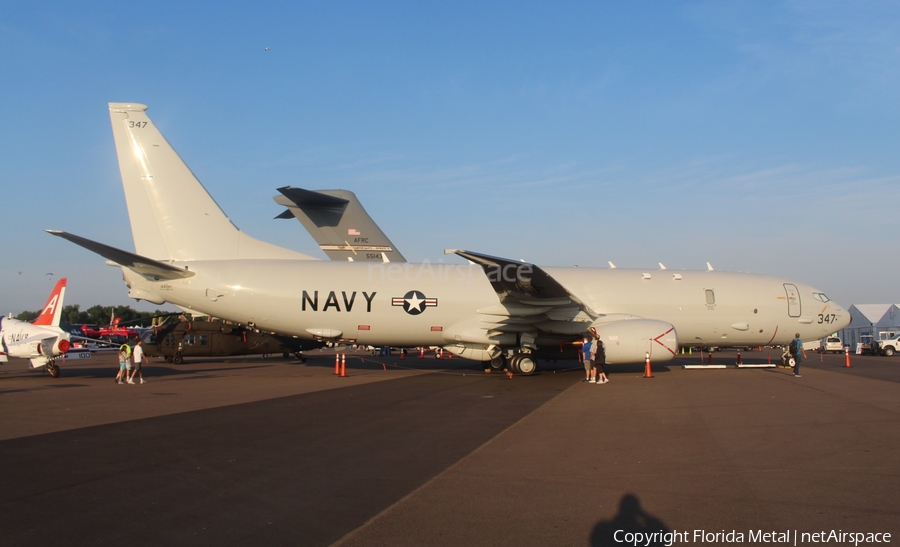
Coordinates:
759	136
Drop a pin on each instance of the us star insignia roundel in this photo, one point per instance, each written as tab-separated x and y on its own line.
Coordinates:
414	302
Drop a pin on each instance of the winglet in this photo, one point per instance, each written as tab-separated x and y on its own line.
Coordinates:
52	311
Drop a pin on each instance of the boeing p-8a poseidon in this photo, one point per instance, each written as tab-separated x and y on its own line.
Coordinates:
504	312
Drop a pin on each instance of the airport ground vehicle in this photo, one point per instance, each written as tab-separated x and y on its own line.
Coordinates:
888	347
866	345
832	344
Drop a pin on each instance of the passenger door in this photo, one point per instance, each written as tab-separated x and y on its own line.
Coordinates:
793	299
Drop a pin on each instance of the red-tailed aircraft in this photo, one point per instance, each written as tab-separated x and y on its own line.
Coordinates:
41	342
109	331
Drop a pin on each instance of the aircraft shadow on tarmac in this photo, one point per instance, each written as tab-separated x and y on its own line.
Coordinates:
631	519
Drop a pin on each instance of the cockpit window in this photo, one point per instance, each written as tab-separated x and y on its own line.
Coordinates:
820	297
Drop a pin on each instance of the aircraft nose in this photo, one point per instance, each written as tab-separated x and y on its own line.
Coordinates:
843	318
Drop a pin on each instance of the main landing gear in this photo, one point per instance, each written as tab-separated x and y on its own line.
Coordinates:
520	363
523	363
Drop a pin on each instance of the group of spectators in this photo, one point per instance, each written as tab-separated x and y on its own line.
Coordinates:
594	353
130	361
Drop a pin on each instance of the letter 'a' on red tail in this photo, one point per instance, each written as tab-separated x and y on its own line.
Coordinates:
52	311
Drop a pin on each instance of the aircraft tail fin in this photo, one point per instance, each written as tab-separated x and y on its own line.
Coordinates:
339	224
52	311
172	215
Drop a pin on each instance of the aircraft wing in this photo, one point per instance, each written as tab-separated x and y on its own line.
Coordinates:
531	300
145	266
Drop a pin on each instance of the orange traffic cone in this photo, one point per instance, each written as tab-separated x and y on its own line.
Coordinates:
647	372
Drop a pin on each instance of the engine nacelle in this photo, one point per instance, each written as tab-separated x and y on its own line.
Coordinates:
629	340
476	352
51	347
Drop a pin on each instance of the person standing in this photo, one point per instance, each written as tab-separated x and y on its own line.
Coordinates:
124	354
586	356
139	358
798	353
598	359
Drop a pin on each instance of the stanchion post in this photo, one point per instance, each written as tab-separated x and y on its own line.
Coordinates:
337	364
846	357
343	365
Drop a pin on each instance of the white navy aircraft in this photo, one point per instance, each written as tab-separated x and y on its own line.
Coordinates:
41	342
500	311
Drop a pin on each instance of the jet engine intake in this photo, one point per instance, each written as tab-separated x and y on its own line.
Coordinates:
630	340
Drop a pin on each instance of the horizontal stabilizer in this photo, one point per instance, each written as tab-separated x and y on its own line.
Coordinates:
307	198
146	267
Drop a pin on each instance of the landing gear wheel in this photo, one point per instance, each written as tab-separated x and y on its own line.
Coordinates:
514	363
178	359
526	365
53	370
497	363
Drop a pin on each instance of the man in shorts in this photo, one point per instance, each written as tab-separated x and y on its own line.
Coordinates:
139	359
586	353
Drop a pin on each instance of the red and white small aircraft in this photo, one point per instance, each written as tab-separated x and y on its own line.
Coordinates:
41	342
109	331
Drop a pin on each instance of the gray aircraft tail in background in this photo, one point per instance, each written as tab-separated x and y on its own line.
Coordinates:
339	224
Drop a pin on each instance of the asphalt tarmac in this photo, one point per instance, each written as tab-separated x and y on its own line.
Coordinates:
435	452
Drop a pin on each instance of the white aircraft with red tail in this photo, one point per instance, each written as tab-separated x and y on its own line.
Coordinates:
41	342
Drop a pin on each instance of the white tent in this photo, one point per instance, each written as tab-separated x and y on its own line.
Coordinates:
872	320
